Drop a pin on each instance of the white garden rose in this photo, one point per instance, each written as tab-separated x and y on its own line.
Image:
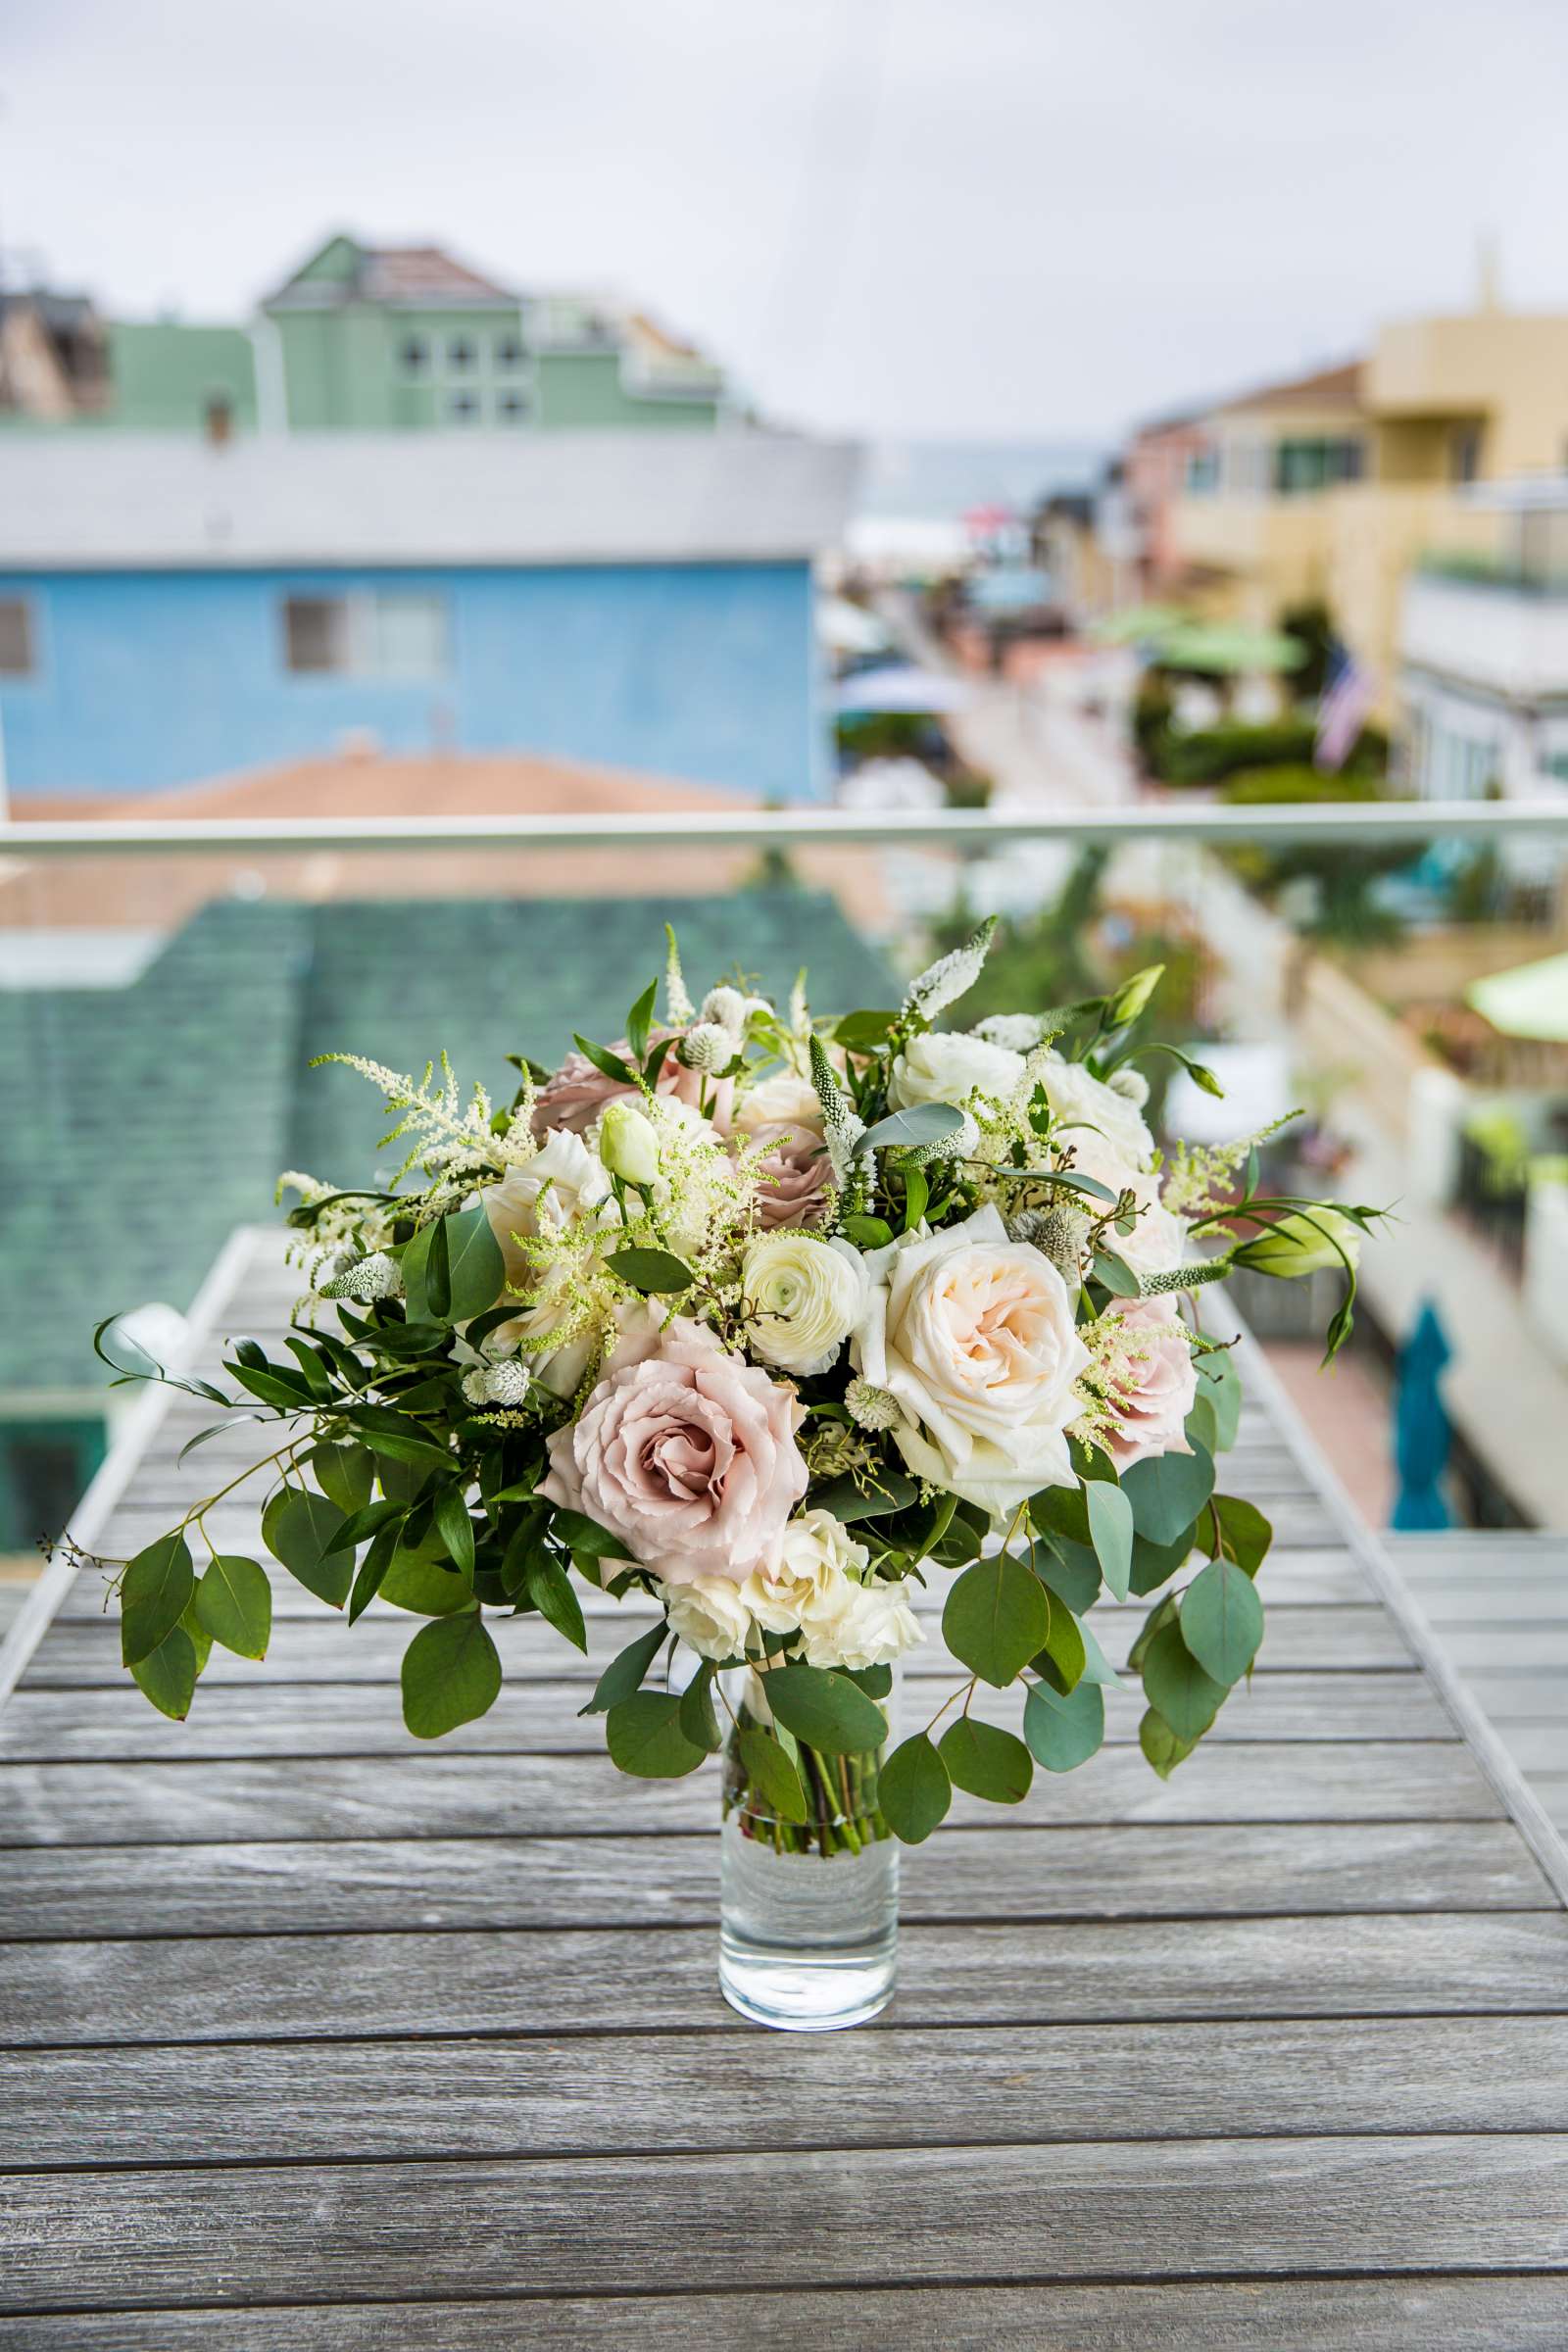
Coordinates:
555	1307
876	1626
778	1101
807	1588
562	1183
1158	1242
1088	1108
974	1336
944	1068
710	1615
802	1296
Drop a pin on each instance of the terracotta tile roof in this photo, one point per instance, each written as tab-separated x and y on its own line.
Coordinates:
424	273
1328	388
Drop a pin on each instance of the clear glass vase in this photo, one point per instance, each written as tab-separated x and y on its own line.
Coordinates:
808	1926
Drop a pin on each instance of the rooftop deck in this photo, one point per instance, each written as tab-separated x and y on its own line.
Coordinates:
316	2037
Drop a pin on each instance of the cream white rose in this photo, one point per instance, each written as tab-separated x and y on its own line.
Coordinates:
778	1101
808	1585
877	1626
555	1307
563	1183
944	1068
710	1615
974	1336
801	1298
1157	1241
1088	1111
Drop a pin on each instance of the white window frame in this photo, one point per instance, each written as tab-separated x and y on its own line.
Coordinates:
365	612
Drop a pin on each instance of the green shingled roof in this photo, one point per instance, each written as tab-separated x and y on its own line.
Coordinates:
144	1122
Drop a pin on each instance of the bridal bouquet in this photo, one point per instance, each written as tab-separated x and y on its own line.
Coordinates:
764	1324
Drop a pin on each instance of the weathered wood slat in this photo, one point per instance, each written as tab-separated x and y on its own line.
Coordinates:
568	1980
355	1719
1113	2209
311	2102
481	1796
262	1888
1364	2313
325	1647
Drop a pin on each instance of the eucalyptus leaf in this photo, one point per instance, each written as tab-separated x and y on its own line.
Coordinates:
824	1709
625	1671
1110	1529
1177	1685
1167	1491
1063	1733
1222	1620
921	1123
235	1604
644	1736
773	1777
451	1674
1162	1746
345	1474
654	1271
154	1594
297	1528
915	1789
1245	1534
455	1528
697	1721
167	1675
997	1616
1064	1654
987	1762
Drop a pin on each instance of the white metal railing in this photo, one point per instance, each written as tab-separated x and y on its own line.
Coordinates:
1353	822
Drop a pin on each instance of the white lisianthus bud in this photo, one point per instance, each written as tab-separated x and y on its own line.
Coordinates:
628	1144
1132	998
707	1046
1308	1242
872	1408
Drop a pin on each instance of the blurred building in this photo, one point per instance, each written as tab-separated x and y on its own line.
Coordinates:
1483	676
171	610
1329	487
361	338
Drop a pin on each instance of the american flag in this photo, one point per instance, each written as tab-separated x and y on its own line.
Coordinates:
1349	694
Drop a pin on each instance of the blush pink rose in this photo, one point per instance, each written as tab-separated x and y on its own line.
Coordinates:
684	1452
792	1174
1152	1401
579	1092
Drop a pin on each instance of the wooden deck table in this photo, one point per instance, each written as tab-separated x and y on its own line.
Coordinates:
315	2038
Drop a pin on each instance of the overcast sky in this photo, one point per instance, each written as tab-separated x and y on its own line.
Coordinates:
946	216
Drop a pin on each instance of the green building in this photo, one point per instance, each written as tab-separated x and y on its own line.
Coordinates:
361	339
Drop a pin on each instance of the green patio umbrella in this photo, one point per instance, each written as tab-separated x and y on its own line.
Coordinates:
1531	1001
1226	649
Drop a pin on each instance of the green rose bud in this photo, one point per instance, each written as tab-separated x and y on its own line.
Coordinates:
628	1144
1304	1243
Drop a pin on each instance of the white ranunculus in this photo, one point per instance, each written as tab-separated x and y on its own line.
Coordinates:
974	1335
808	1585
1086	1109
561	1183
876	1627
946	1068
801	1298
710	1615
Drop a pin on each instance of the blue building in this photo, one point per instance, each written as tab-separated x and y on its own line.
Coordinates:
173	611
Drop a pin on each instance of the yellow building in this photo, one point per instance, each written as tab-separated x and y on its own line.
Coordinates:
1334	486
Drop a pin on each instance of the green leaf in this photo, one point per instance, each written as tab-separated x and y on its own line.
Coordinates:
1063	1733
640	1020
825	1709
285	1390
580	1533
1201	1425
1070	1572
235	1604
1097	1668
651	1270
1245	1534
875	1681
609	1065
1160	1745
398	1439
772	1776
1167	1491
201	1640
1114	1274
345	1474
167	1675
297	1527
913	1790
361	1526
1177	1685
154	1594
890	1492
625	1673
550	1589
1222	1620
455	1528
312	1370
997	1616
425	1587
1152	1563
921	1123
698	1722
372	1573
862	1032
1110	1529
644	1735
451	1674
866	1233
1064	1654
916	1198
475	1266
985	1762
1162	1613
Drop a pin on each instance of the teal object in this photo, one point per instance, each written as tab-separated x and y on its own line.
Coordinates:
1421	1432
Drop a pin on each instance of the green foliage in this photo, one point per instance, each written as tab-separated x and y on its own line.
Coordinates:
646	1739
453	1269
235	1604
825	1709
1186	1696
997	1616
298	1528
451	1674
772	1774
651	1270
1167	1491
1222	1620
987	1762
625	1671
167	1675
1111	1529
915	1789
153	1597
1063	1733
